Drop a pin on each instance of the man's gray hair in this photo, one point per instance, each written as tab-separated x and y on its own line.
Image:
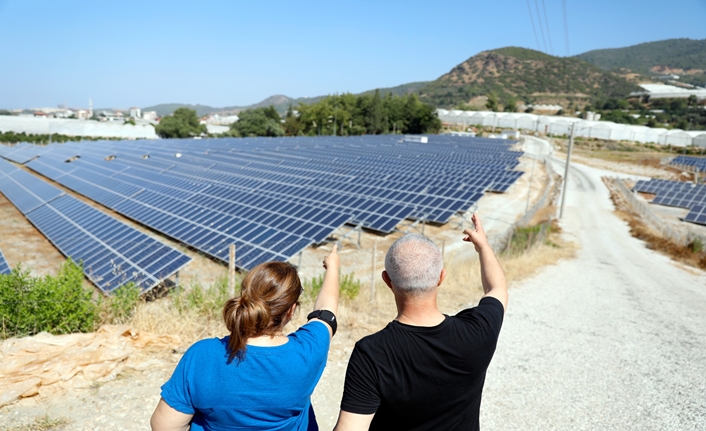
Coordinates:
414	264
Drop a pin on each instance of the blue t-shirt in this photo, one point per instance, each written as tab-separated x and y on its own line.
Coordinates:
269	390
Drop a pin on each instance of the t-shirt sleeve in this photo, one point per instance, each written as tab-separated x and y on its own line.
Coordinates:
177	391
315	339
487	317
360	392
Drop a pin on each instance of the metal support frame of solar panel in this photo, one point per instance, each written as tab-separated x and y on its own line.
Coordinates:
677	194
4	266
258	244
112	252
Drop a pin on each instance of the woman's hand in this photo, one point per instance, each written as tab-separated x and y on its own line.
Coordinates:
332	261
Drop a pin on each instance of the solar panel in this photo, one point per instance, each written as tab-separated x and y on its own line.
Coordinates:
272	197
698	162
677	194
112	253
4	266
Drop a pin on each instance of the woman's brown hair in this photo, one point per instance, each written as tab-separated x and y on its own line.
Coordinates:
267	294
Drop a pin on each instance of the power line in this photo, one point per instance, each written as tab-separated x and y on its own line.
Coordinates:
566	27
534	30
546	23
541	29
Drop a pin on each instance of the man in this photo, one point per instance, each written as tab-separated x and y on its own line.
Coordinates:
425	370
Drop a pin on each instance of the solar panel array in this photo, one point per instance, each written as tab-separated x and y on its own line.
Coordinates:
274	197
699	162
112	253
4	266
677	194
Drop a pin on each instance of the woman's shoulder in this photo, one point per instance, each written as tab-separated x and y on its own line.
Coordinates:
314	331
208	346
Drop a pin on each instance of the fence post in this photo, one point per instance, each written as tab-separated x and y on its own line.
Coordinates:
231	271
372	274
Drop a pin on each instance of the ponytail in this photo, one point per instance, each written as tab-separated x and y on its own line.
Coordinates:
267	294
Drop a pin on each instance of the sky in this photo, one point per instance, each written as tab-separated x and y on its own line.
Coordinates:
236	53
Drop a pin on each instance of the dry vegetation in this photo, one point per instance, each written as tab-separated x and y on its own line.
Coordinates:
691	254
370	311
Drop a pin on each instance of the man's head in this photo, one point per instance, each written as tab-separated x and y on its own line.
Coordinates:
414	265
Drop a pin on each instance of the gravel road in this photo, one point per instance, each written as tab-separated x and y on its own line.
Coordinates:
612	340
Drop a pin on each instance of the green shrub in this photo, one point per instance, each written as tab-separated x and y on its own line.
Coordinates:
349	287
59	305
696	245
205	301
121	304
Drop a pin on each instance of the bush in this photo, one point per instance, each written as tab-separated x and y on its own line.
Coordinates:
207	302
349	287
59	305
121	304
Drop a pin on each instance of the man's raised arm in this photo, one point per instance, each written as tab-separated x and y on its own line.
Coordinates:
492	275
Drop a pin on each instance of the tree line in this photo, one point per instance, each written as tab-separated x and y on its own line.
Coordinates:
342	115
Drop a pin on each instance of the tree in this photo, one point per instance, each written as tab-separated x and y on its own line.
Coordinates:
511	106
292	125
492	103
183	123
258	122
374	119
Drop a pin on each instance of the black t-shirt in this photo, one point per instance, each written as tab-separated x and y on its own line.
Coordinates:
424	378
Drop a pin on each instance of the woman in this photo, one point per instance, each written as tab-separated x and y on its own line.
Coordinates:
256	378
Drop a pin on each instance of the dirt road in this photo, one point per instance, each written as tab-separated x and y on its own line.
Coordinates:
611	340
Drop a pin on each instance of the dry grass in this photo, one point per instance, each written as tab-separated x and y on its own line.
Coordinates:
373	308
42	423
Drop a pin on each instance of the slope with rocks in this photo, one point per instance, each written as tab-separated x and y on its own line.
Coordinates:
519	73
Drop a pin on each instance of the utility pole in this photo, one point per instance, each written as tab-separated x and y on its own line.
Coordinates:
529	192
566	170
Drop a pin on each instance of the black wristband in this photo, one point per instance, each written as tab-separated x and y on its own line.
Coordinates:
325	316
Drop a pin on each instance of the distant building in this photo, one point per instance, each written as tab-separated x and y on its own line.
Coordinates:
149	116
66	113
663	91
135	112
82	114
40	114
111	116
217	120
592	116
510	134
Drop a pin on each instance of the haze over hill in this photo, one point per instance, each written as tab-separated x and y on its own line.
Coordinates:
684	57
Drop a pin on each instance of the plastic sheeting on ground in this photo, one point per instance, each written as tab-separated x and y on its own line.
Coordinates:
73	360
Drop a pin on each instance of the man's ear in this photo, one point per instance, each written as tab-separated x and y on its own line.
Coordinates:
442	276
386	279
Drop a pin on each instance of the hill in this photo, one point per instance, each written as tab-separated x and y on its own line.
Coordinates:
279	101
684	57
167	108
519	73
